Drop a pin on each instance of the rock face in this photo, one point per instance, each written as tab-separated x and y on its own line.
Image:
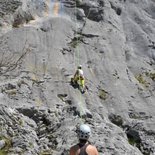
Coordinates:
41	44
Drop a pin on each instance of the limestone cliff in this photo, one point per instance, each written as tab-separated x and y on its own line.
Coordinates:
41	44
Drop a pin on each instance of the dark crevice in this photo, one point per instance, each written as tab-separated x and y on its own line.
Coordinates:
46	127
135	140
133	133
68	102
62	96
116	9
73	110
92	12
75	41
22	18
89	35
116	119
101	3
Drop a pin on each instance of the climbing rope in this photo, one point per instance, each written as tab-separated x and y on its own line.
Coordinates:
77	51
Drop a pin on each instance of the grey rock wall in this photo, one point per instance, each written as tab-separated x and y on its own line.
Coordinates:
41	44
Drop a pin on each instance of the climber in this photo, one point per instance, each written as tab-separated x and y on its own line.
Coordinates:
83	147
79	77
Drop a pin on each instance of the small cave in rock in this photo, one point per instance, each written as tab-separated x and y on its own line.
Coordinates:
133	138
119	11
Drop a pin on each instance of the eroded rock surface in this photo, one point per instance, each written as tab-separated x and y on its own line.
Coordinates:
41	44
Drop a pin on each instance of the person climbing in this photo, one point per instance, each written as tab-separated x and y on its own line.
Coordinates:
83	147
79	77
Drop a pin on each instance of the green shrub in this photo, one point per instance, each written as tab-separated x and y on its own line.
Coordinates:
5	150
131	141
75	41
141	80
152	76
103	94
48	152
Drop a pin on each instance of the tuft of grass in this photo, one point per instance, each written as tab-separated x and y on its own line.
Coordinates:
132	141
31	144
75	41
103	94
5	150
141	80
116	119
134	116
152	76
46	152
21	122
